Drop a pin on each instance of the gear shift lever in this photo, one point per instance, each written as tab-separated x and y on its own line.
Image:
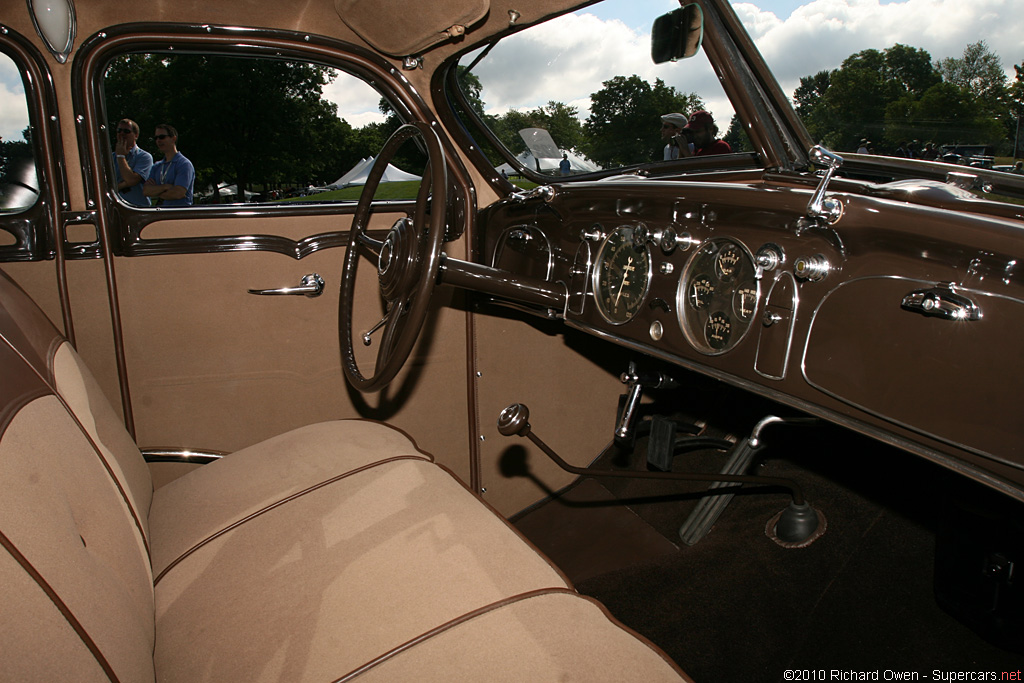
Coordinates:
796	526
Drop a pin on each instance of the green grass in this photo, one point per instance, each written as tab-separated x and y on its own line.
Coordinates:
405	189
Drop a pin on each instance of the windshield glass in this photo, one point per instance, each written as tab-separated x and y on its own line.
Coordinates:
581	93
903	79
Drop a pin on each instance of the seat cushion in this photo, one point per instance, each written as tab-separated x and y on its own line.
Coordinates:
195	507
548	636
318	586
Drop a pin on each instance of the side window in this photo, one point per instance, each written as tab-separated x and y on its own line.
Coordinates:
191	129
19	186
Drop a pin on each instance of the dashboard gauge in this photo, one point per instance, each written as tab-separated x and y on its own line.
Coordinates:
622	276
718	330
728	260
744	302
702	289
717	296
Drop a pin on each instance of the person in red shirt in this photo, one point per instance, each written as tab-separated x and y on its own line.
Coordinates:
704	134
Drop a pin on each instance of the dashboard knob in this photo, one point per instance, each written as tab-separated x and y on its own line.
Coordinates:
769	256
812	269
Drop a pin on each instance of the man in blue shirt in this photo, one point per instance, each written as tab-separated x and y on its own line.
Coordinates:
173	177
132	164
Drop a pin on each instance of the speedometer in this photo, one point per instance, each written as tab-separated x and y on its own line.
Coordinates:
622	275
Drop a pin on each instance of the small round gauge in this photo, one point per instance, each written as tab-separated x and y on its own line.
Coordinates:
718	330
622	275
744	302
727	261
717	296
702	289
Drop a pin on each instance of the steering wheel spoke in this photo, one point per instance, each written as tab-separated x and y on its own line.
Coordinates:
407	263
369	247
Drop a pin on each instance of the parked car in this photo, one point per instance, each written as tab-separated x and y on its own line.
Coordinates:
745	415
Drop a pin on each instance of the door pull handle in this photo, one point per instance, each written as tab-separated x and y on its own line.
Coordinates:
311	285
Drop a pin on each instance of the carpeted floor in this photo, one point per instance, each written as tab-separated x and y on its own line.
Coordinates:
738	607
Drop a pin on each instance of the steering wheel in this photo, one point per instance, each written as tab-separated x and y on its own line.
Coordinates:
407	262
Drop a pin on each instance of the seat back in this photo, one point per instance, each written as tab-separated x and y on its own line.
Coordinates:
75	577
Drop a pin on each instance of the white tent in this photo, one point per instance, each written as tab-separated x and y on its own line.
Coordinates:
577	164
358	173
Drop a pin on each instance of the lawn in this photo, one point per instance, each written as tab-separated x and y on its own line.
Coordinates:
404	189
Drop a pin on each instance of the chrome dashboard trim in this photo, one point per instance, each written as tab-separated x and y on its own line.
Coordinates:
792	324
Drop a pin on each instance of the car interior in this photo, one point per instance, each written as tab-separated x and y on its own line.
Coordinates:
751	416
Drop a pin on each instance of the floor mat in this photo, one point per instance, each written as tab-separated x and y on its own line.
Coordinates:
737	606
586	532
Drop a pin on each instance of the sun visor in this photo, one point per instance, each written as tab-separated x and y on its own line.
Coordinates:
400	28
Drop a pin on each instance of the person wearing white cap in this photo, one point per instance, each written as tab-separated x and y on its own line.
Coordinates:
672	132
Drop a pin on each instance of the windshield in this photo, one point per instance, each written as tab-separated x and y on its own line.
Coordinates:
581	93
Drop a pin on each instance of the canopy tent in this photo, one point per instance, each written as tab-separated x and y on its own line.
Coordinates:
577	164
224	190
357	175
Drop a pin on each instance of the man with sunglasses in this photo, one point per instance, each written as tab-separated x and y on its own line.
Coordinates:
173	177
132	164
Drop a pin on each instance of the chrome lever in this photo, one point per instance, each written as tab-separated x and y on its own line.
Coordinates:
820	206
311	285
943	302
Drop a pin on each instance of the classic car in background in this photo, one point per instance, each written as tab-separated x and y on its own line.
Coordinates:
772	388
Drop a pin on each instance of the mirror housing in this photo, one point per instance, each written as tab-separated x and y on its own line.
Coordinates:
678	34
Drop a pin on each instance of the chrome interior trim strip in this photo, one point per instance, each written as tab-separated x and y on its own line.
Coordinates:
183	455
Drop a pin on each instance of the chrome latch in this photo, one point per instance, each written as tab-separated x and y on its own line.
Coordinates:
942	301
545	192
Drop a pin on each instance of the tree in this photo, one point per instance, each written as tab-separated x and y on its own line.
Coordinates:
268	122
737	136
1016	99
624	126
559	119
979	72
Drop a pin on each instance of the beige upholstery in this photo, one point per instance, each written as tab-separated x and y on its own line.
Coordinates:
336	551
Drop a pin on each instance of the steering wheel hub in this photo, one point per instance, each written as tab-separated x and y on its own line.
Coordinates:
397	261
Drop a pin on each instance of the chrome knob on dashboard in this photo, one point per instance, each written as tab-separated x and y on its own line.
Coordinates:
769	257
669	239
591	234
812	268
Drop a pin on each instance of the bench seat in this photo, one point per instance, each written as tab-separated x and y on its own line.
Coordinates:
337	551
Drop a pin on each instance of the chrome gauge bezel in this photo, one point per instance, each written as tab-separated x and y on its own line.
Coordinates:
714	295
638	288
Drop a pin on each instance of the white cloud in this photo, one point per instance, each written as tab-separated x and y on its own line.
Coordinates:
821	34
568	58
358	103
13	108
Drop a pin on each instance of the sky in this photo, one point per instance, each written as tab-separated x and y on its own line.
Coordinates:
568	59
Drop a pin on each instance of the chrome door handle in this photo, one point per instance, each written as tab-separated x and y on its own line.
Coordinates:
942	301
311	285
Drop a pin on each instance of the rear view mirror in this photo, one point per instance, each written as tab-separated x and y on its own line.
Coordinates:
678	34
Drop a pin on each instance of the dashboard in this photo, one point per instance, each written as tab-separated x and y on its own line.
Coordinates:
735	282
